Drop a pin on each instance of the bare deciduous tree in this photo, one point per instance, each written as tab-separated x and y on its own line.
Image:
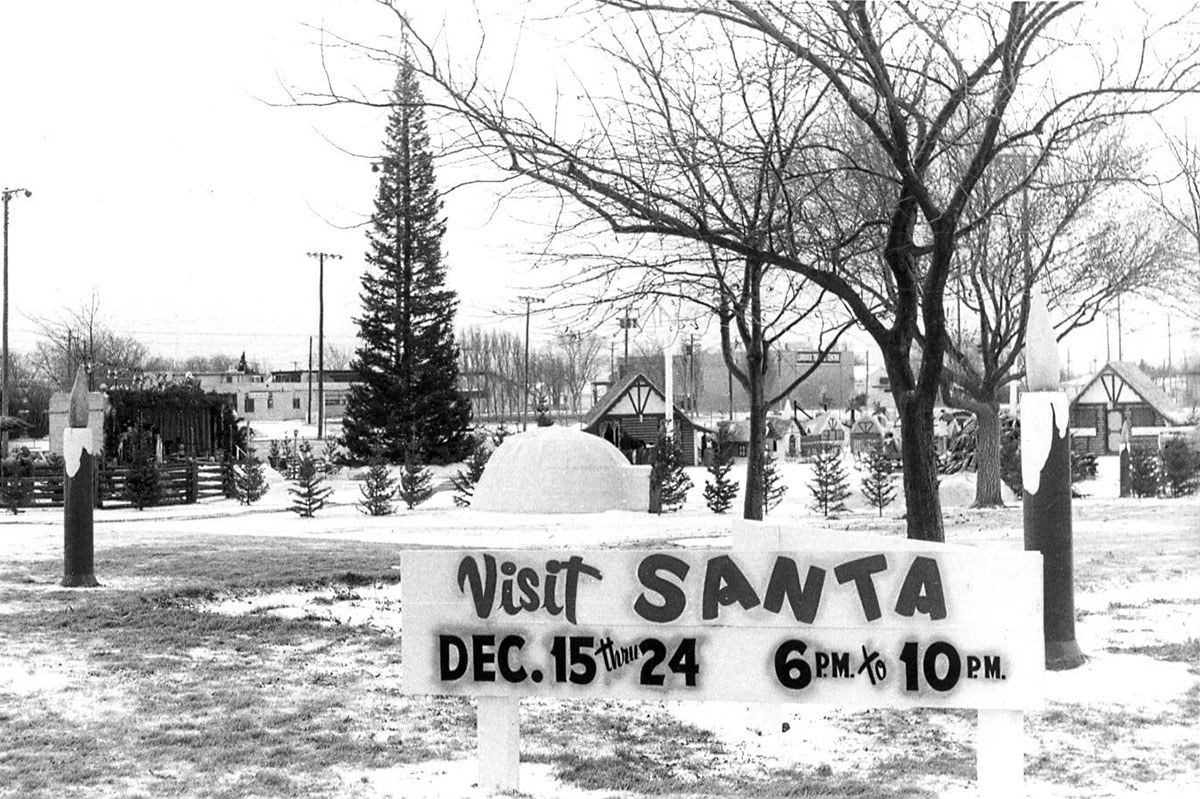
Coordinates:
82	336
656	146
1061	232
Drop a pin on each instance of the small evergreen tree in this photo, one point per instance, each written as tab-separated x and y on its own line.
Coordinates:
378	489
275	456
1143	472
17	485
720	492
249	482
541	411
466	478
773	488
416	481
1180	468
669	483
879	483
142	484
829	485
308	489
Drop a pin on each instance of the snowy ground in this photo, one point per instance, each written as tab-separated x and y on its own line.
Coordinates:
1129	598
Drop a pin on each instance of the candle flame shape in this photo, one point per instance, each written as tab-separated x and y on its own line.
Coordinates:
1041	348
77	415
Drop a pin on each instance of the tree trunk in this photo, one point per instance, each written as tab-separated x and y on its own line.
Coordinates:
752	507
987	455
923	508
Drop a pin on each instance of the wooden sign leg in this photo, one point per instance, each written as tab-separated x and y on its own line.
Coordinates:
498	727
1000	754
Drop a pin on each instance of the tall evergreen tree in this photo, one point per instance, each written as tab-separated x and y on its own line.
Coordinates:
407	358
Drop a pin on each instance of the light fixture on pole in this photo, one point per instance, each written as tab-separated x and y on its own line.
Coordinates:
8	194
321	256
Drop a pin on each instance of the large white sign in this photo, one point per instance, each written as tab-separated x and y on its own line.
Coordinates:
953	628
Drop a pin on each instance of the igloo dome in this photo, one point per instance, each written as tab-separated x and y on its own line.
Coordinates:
559	470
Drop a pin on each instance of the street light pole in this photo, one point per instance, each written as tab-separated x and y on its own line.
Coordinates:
8	194
525	402
321	256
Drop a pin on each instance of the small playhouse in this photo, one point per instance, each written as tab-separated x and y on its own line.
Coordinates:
825	431
630	416
782	437
1120	399
868	432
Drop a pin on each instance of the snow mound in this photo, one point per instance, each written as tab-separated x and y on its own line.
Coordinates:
559	470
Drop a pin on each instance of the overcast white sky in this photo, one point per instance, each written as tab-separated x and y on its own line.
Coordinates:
162	179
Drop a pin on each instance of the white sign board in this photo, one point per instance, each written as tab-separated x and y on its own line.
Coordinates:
877	627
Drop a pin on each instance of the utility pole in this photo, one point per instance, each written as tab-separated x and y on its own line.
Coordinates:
8	194
321	256
1120	333
525	400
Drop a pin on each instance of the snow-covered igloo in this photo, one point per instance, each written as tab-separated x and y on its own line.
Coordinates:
560	470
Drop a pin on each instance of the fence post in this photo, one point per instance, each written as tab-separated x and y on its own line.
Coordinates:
97	484
193	480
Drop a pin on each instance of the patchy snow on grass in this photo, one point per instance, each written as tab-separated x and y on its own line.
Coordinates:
1114	727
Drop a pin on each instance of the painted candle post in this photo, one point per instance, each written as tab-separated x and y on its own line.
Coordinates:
1046	479
78	490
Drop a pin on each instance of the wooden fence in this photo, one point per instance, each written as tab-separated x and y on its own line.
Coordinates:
179	483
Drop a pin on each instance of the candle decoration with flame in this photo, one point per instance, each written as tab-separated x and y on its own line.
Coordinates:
78	491
1046	481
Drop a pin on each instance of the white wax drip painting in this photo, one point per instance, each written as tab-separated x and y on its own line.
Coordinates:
1043	416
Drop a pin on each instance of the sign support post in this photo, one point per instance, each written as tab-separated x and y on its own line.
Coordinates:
779	619
1000	753
498	727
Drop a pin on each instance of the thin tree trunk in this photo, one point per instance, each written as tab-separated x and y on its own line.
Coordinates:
752	507
987	455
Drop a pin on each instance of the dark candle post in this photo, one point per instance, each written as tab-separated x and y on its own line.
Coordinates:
1046	479
78	491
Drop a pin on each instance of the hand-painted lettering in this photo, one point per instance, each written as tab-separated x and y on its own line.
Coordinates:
922	590
860	571
673	599
514	579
